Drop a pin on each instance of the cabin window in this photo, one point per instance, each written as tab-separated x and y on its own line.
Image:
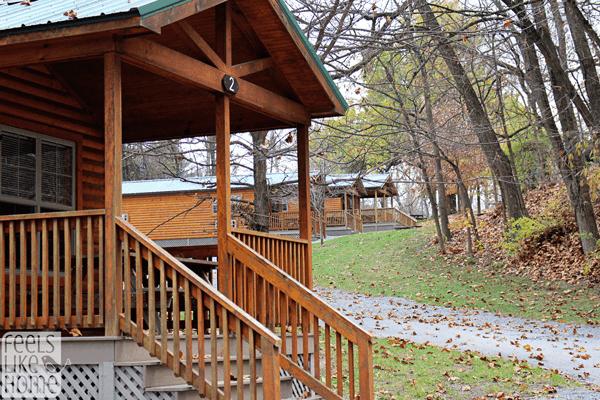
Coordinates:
234	197
275	205
233	224
36	173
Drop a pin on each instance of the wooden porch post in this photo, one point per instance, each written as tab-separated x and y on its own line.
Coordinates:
375	206
113	176
345	208
223	125
304	199
223	191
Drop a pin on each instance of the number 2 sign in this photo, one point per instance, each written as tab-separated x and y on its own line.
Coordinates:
230	84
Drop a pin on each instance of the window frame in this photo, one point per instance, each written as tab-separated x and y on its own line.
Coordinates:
38	203
232	197
285	204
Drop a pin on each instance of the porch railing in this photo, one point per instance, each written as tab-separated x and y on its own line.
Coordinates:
164	303
284	221
286	306
354	222
387	215
51	270
288	253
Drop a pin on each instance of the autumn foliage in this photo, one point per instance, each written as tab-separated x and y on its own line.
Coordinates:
549	249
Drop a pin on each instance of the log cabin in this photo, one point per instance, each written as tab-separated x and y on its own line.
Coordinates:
183	211
80	78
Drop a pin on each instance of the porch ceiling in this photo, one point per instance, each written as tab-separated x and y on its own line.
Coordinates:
155	107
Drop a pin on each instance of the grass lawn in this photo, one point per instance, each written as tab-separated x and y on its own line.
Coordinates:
400	263
406	370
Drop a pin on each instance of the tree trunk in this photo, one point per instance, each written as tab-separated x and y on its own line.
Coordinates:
543	41
586	59
261	189
441	188
577	187
431	194
211	155
497	159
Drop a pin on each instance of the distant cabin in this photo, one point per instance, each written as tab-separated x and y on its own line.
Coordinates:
183	212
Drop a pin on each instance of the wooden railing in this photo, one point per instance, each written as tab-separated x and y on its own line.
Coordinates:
283	221
386	215
290	254
405	219
165	304
284	305
51	270
354	222
290	220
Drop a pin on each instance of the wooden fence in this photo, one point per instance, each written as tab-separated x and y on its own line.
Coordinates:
52	270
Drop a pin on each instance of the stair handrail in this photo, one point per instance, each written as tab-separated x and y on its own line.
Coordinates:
319	309
237	319
413	221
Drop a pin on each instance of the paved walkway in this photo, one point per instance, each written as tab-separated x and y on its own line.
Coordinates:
569	348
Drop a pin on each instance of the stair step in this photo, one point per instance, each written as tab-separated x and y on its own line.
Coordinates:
188	392
161	375
170	388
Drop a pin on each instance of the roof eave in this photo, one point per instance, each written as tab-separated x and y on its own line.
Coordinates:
101	23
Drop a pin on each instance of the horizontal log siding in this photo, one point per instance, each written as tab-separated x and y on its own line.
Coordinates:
145	212
34	100
334	204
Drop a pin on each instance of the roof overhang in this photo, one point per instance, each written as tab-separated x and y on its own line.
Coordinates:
307	86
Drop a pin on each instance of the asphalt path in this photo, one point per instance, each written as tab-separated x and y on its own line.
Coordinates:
569	348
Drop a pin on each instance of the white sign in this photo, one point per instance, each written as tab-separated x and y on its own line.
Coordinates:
31	365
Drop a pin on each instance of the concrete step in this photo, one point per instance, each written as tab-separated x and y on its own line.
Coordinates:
188	392
128	350
160	375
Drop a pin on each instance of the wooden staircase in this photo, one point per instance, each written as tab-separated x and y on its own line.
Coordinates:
272	320
193	309
159	379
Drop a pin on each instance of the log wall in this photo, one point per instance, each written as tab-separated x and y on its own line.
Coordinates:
178	211
33	99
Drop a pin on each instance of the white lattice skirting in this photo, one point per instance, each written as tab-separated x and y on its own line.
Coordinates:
105	381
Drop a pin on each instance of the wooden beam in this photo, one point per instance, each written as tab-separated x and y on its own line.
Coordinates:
54	51
112	184
195	42
178	129
223	32
256	15
181	68
167	17
223	191
252	67
223	132
304	197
